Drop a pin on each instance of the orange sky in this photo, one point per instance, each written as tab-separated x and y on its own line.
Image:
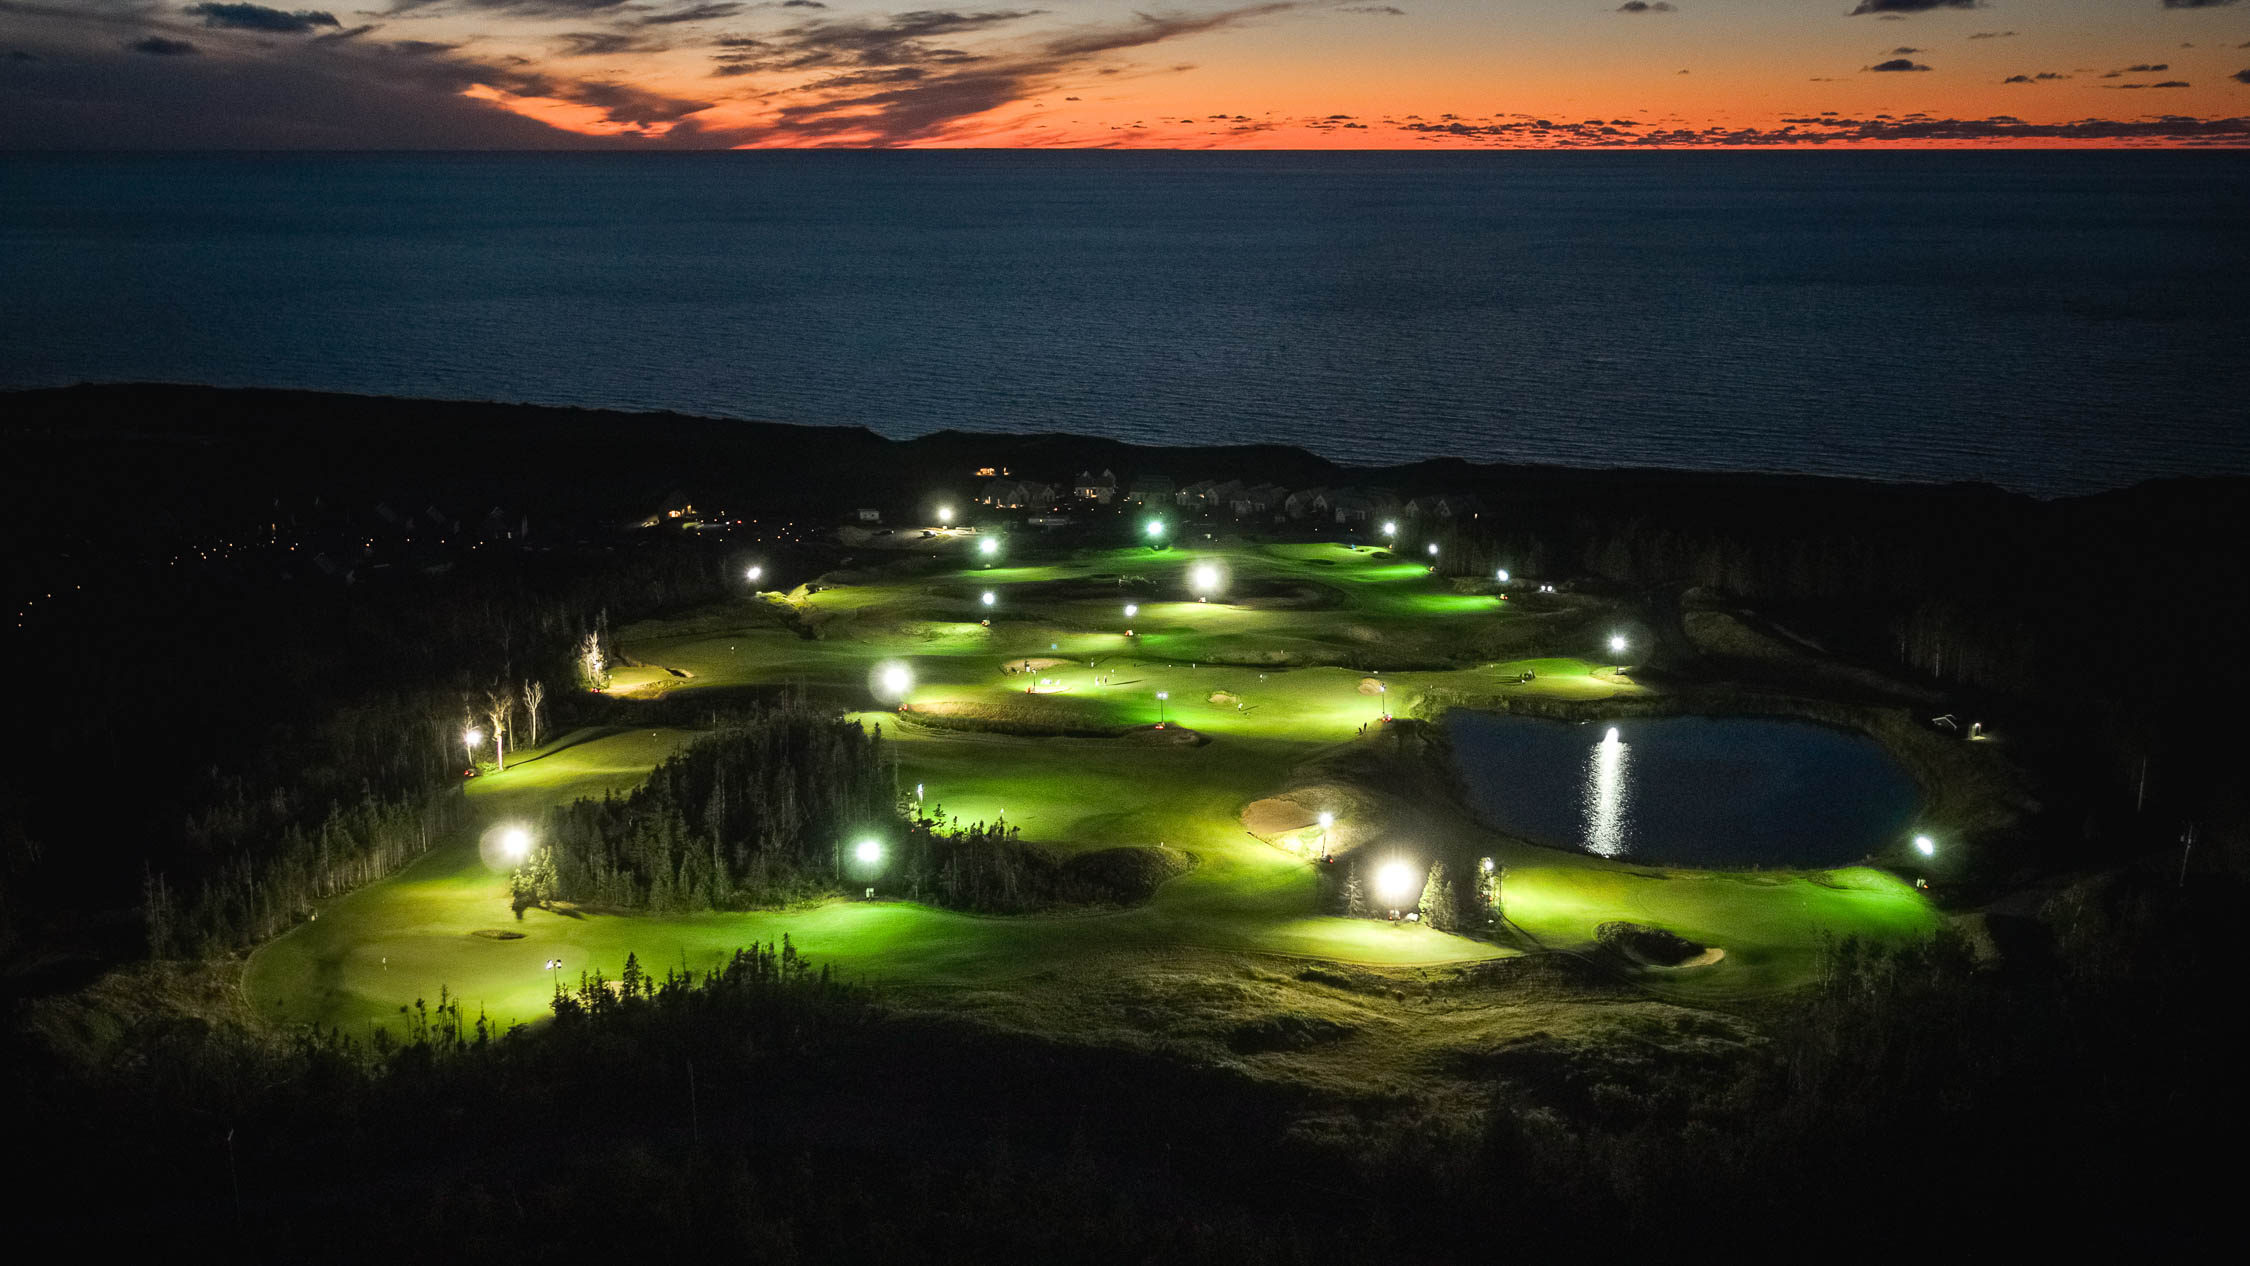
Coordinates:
1414	74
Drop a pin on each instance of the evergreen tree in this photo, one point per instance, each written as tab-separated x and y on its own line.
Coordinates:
1437	906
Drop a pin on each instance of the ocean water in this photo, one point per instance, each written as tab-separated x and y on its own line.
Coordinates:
2051	322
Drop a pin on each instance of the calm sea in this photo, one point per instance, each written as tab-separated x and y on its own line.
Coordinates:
2053	322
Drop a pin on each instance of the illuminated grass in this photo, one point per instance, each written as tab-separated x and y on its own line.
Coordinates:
1262	722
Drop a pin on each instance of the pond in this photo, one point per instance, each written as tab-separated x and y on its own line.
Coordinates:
1686	791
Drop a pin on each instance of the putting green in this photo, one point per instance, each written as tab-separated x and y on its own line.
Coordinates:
1302	610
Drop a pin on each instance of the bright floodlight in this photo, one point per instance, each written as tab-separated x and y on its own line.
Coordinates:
1926	846
1327	820
868	851
1131	610
1163	694
472	736
516	842
1617	643
945	514
1433	549
1501	575
893	680
988	546
1204	578
1394	883
754	573
989	598
1155	529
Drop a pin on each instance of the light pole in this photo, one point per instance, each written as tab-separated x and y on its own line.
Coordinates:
1617	646
469	740
1161	696
1154	531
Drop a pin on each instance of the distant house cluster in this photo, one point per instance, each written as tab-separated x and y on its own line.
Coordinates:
1228	498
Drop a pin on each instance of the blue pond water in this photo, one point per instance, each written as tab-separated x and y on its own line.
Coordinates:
1687	791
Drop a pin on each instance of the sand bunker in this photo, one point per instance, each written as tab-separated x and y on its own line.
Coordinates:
1275	816
1370	686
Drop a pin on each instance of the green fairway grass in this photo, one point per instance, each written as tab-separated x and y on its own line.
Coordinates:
1269	682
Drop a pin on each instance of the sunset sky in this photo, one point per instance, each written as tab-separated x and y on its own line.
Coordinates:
1414	74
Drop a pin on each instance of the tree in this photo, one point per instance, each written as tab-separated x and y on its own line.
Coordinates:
499	705
1355	891
533	883
534	695
1437	908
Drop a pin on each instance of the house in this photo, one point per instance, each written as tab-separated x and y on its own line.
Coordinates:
1350	506
1101	487
1016	494
1151	488
1306	503
1258	499
1196	496
870	516
1444	508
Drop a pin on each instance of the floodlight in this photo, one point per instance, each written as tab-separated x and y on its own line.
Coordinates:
1926	846
1433	549
868	852
1204	578
988	546
1394	883
1154	530
754	573
1131	610
945	514
893	680
1501	575
1327	820
516	842
1617	643
989	598
1390	528
472	736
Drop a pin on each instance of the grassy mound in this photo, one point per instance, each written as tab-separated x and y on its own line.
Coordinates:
1129	874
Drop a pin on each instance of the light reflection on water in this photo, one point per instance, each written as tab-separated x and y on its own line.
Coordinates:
1606	817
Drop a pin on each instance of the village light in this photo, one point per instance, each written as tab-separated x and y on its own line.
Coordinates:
1926	846
869	852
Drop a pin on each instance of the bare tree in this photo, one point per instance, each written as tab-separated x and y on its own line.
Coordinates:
534	694
499	704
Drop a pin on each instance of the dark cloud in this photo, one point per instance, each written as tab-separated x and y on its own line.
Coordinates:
1646	6
693	13
2144	68
1830	129
158	46
1911	6
2042	77
2172	83
1991	35
1384	10
1897	63
2196	4
257	17
606	43
2240	76
1903	51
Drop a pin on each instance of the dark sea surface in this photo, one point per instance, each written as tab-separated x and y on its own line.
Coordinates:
1687	791
2052	322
